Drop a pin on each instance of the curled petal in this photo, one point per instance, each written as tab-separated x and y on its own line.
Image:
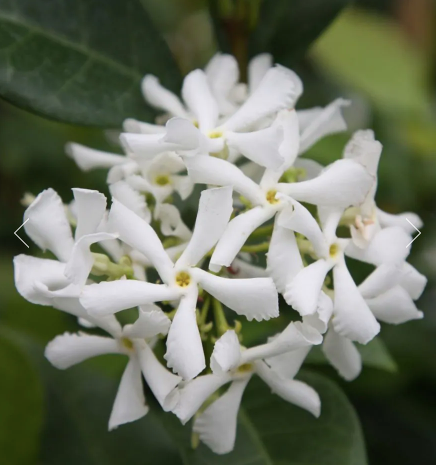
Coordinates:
342	354
254	298
88	159
413	281
129	403
69	349
131	199
171	223
257	68
324	311
151	322
226	353
184	135
90	208
48	226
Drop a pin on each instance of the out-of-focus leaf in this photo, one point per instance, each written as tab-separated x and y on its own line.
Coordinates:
375	354
370	54
21	406
272	431
81	61
287	28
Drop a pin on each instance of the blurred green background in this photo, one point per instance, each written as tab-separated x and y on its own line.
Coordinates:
380	54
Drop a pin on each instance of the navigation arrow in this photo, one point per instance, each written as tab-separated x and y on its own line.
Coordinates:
21	227
414	227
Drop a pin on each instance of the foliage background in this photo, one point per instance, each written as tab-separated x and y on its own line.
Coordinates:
382	55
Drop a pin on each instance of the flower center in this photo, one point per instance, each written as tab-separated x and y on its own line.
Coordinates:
162	179
183	279
333	251
271	197
214	134
127	343
245	368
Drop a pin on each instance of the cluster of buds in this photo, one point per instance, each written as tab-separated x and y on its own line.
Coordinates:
243	144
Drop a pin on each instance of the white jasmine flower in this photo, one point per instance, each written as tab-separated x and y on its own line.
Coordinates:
276	362
254	298
134	341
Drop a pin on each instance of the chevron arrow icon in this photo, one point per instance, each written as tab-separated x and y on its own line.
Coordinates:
414	227
19	229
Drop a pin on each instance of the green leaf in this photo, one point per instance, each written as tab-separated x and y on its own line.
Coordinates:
375	354
81	61
370	54
21	406
272	431
287	28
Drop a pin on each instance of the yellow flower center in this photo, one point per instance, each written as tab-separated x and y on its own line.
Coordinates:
245	368
333	251
162	180
183	279
127	343
271	197
215	134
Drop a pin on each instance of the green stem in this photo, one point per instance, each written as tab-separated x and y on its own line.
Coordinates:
263	231
262	247
220	317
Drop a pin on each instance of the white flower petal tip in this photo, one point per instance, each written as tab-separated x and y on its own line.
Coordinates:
151	322
130	198
226	354
182	133
88	159
139	127
363	148
321	318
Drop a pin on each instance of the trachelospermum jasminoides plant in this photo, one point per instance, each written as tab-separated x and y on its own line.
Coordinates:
242	143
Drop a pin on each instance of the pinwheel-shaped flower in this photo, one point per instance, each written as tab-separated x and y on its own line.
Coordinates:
276	362
134	341
254	298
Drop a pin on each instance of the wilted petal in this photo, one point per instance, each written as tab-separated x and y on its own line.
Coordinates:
110	297
88	159
342	354
226	353
69	349
352	317
214	211
395	306
160	97
193	394
129	403
216	426
151	322
235	235
257	68
254	298
184	348
302	293
262	147
283	258
131	199
90	208
295	392
214	171
48	226
160	380
199	99
135	232
279	89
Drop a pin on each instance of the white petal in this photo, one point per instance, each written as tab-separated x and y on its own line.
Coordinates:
413	281
288	120
88	159
235	235
131	199
342	354
243	270
388	246
380	280
120	172
262	147
193	394
110	297
69	349
302	293
171	223
329	218
214	211
279	89
295	392
328	120
324	311
160	380
395	306
295	336
129	403
216	426
226	353
352	317
341	184
151	322
90	207
183	185
389	219
160	97
298	218
364	148
135	232
48	226
146	146
283	258
288	364
183	135
311	168
214	171
254	298
28	270
81	260
139	127
257	68
184	347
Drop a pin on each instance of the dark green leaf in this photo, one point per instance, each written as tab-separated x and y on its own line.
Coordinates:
21	403
81	61
287	28
272	431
